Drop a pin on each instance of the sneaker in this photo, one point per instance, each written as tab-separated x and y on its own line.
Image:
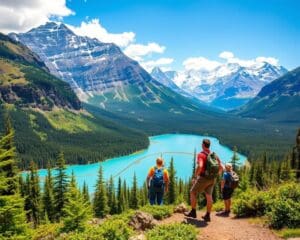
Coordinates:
206	217
191	214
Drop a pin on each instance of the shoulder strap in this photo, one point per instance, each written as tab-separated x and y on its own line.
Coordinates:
206	154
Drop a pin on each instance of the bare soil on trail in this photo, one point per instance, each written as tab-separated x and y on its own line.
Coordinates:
224	228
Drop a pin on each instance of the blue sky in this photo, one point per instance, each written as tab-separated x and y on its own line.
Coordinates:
169	32
192	28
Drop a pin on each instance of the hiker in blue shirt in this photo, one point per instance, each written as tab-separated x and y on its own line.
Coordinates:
157	182
228	184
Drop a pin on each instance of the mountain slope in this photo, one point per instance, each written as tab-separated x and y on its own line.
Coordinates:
101	74
229	85
48	116
277	101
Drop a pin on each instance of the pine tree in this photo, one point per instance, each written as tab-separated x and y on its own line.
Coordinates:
258	177
120	197
34	195
286	171
134	200
48	196
235	159
60	185
112	196
12	215
85	192
100	198
172	195
126	195
76	209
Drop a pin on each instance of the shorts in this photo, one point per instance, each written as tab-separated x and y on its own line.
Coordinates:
227	193
203	184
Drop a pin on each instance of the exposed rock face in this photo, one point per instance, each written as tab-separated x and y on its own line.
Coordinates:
142	221
88	65
29	96
181	208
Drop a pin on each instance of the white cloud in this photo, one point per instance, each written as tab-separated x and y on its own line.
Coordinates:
136	51
94	29
161	62
200	63
226	55
21	16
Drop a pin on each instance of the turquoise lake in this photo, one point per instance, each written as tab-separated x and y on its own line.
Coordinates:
179	146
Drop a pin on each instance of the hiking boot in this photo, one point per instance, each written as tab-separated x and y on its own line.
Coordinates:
206	217
191	214
223	214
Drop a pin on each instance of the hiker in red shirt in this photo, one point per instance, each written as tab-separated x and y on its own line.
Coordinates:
208	168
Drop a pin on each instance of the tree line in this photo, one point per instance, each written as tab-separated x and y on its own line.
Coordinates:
24	203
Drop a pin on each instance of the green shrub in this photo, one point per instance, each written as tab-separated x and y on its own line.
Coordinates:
115	230
218	206
174	231
46	231
111	229
158	212
285	213
285	210
252	204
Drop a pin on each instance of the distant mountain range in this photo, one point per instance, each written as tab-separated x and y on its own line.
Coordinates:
101	74
228	86
48	117
277	101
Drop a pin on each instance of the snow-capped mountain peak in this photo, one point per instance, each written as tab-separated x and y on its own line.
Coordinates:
228	85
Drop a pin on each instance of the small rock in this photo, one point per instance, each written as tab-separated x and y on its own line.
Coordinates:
138	237
142	221
181	208
95	221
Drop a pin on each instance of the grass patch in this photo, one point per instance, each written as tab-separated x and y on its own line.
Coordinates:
69	121
10	74
288	233
35	126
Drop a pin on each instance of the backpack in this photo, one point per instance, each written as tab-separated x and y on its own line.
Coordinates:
212	166
234	180
158	178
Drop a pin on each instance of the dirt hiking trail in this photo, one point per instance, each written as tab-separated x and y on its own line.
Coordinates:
224	228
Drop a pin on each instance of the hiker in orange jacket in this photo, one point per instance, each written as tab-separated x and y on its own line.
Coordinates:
157	182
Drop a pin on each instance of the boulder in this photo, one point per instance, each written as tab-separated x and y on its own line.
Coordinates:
181	208
141	221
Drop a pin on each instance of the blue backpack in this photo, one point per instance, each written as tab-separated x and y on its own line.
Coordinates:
158	178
